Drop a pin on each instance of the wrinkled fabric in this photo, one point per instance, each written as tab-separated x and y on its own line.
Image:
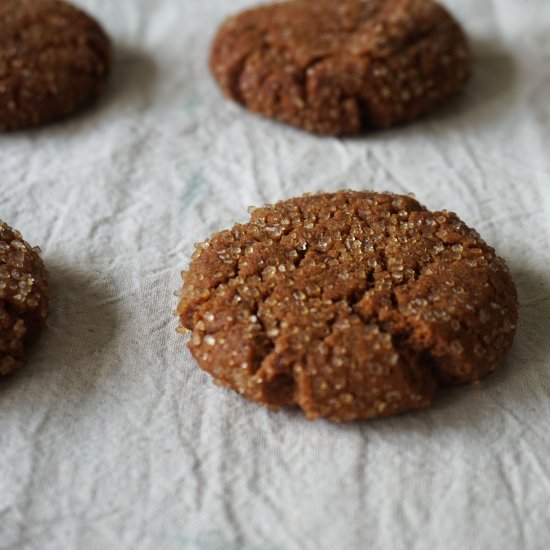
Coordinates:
111	436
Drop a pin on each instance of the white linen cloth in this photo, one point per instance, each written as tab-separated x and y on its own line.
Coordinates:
111	436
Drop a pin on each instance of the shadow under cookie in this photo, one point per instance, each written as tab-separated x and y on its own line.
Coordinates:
522	373
83	321
133	81
488	93
83	316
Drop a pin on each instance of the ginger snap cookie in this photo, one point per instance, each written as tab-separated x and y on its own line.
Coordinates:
350	305
23	297
53	60
338	68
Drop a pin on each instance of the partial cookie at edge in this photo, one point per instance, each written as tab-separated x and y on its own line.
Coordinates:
54	59
24	297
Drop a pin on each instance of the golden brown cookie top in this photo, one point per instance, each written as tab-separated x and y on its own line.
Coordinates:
23	296
349	305
339	67
53	59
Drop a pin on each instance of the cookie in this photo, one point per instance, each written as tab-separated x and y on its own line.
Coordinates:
350	305
337	68
53	60
23	297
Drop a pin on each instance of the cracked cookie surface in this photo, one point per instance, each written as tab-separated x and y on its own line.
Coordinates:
53	59
337	68
349	305
23	297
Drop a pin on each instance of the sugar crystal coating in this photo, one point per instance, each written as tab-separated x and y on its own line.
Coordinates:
349	305
23	297
337	67
53	59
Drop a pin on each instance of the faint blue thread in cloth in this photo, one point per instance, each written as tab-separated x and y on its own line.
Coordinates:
192	189
192	106
212	540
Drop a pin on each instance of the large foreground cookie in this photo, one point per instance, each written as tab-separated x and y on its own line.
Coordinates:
349	305
336	67
53	59
23	297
